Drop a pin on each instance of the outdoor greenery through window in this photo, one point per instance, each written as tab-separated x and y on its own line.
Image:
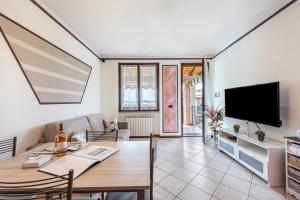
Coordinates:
138	87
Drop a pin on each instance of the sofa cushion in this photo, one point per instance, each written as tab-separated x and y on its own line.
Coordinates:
78	137
96	122
79	124
123	134
106	125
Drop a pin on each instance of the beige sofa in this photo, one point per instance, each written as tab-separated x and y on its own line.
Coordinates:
92	122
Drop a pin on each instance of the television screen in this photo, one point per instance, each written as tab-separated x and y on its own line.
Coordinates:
257	103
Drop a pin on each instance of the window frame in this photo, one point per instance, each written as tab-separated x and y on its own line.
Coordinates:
138	87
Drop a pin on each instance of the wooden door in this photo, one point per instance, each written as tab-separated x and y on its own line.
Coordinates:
170	100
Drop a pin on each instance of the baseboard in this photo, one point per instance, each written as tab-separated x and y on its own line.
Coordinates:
171	136
142	136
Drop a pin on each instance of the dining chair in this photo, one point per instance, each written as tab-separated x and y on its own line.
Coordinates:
54	188
153	144
133	195
8	145
101	135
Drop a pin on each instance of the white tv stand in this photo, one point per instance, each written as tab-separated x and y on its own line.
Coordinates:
266	159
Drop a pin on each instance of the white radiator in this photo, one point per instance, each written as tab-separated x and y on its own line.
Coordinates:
140	126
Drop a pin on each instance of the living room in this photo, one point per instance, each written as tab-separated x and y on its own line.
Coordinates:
93	65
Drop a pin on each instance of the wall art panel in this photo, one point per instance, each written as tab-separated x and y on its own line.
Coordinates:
55	76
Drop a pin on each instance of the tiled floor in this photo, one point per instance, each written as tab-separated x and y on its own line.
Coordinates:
187	170
189	130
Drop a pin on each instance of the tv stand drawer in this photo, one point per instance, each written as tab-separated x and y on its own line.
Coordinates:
227	147
249	160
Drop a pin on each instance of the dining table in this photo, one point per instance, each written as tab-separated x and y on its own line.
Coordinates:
128	170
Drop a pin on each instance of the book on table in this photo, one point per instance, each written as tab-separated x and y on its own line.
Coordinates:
79	161
36	161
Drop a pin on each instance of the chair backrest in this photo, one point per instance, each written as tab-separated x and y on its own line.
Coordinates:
57	187
153	144
153	155
101	135
8	146
151	172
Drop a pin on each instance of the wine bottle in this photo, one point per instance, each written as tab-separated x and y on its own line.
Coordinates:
61	140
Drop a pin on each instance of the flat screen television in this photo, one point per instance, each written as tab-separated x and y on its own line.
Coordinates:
256	103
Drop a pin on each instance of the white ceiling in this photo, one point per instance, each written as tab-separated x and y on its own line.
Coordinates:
161	28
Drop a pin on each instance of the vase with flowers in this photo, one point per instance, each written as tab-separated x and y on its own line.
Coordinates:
216	116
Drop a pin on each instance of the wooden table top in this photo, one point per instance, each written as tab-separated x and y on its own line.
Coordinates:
127	170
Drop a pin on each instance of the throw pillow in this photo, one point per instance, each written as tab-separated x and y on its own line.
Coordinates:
78	137
107	125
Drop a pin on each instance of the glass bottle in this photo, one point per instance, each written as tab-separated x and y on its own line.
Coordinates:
61	140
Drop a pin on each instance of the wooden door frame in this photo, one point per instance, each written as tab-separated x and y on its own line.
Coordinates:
203	99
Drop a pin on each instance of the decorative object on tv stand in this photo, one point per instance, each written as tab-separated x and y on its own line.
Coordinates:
260	134
247	128
216	116
55	76
236	128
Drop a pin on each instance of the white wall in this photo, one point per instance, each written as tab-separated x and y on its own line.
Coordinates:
110	96
270	53
20	113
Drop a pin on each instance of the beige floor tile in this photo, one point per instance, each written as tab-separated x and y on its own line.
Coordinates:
173	184
184	174
195	167
187	155
205	184
222	158
212	174
262	193
168	166
192	150
227	193
162	194
178	160
200	160
206	154
251	198
164	155
242	173
159	175
218	166
236	184
259	181
192	193
159	161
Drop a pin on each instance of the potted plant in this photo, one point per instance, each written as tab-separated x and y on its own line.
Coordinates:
236	128
216	116
260	135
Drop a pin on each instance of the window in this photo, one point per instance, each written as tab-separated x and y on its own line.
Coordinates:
138	87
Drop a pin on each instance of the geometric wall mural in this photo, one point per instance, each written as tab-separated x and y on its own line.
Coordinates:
170	103
55	76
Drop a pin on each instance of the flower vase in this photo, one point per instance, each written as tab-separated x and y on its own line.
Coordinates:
215	136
